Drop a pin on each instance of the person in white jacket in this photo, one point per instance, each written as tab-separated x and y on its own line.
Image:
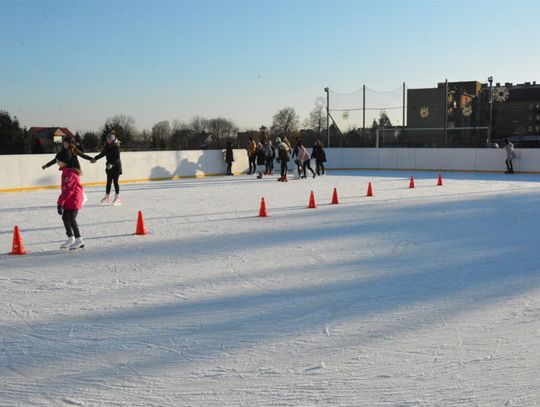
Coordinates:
305	160
510	155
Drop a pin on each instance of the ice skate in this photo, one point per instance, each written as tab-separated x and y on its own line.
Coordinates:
117	201
77	244
105	200
67	243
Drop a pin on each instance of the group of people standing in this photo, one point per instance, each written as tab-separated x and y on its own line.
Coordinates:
261	157
72	197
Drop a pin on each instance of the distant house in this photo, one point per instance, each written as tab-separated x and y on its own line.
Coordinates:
48	139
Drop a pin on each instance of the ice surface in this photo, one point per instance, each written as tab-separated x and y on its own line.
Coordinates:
413	297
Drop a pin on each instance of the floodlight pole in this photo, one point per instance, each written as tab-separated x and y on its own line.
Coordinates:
327	90
445	113
363	111
490	80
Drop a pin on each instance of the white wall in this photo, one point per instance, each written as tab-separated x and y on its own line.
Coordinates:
24	171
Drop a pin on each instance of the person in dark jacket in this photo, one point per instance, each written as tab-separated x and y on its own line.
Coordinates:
283	158
320	157
229	158
113	168
261	158
69	145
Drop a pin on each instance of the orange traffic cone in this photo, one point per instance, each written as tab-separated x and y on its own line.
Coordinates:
17	246
262	211
312	201
369	190
411	184
141	230
335	200
439	182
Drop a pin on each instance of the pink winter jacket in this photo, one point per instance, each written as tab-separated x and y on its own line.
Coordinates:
71	197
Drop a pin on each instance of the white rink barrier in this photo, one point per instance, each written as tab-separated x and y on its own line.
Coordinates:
23	172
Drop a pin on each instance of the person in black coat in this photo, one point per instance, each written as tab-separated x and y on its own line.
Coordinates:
229	158
319	156
261	158
113	168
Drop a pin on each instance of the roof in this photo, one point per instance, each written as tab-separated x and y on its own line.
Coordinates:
50	132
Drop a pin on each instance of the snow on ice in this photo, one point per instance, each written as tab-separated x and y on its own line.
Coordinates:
413	297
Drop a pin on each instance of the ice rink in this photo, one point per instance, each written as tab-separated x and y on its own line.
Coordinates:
412	297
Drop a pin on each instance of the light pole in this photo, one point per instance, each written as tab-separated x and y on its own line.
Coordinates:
327	116
490	80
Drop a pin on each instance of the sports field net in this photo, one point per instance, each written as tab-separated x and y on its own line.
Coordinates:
363	107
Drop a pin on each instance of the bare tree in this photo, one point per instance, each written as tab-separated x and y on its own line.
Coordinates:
161	134
285	122
317	119
123	125
222	130
199	125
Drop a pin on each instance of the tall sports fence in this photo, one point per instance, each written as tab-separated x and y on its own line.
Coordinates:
436	117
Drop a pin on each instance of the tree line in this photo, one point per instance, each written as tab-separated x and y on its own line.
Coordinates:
197	133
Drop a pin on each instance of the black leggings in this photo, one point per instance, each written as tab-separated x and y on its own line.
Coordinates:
320	166
307	164
110	179
284	169
70	222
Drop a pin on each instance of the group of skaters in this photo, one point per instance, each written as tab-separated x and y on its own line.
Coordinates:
72	196
261	157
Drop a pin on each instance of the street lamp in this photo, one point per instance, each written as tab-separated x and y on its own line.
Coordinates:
327	115
490	80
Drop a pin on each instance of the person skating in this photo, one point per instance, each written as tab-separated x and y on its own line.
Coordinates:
70	200
510	155
113	168
229	158
305	160
269	155
319	155
261	159
69	145
283	158
251	149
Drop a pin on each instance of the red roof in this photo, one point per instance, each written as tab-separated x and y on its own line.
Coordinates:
49	131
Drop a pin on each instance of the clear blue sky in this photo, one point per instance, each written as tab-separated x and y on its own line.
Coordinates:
77	63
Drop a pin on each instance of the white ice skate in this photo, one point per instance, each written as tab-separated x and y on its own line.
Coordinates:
67	243
117	201
105	200
79	243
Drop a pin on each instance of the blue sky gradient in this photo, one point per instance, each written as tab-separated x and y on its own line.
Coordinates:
77	63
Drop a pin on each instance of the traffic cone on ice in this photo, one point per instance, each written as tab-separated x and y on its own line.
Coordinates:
411	184
335	200
369	190
141	230
312	201
262	210
439	182
17	246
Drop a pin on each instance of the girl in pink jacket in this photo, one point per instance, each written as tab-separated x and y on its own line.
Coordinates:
70	200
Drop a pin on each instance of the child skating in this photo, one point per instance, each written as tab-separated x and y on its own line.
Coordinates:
113	168
70	200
